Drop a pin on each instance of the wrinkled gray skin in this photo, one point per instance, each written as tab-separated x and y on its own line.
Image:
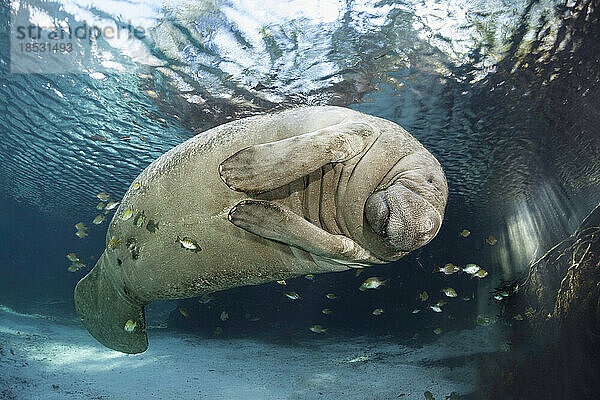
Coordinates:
308	190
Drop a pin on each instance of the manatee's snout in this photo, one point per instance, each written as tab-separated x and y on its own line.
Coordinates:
403	218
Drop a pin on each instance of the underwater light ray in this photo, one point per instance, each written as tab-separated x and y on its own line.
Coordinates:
533	226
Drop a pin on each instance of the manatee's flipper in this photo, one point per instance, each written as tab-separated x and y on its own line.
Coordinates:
276	222
264	167
104	312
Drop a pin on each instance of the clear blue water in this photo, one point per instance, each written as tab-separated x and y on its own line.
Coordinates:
503	93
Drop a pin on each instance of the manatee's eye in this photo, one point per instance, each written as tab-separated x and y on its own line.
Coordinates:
430	180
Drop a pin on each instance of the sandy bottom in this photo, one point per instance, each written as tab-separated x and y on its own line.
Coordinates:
44	359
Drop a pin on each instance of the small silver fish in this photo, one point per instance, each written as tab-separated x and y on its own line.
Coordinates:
103	196
485	320
113	243
318	329
491	240
449	292
140	220
480	274
81	227
471	268
111	205
127	214
183	311
292	295
448	269
188	244
205	299
372	283
378	311
130	326
99	219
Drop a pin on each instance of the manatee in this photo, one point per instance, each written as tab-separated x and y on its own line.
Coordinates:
303	191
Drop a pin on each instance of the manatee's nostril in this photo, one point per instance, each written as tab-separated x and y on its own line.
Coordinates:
377	211
427	225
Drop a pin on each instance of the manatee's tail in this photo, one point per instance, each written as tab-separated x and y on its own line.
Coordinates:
113	320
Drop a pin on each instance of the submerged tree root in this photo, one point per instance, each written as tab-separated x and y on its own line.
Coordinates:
557	347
